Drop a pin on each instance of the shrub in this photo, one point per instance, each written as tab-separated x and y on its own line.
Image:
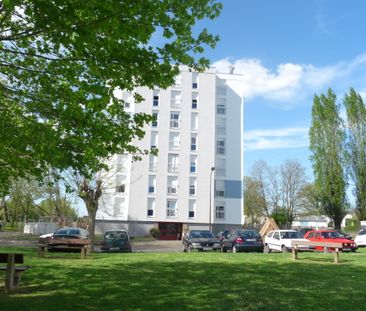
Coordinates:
155	233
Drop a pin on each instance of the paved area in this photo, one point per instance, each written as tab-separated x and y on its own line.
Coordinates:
16	239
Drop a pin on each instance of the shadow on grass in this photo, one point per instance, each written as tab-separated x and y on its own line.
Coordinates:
189	282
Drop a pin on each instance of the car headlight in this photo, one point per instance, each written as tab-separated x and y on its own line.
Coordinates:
195	244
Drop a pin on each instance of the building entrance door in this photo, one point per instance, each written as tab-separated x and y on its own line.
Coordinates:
170	230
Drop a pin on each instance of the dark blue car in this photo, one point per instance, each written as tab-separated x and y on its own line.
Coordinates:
243	240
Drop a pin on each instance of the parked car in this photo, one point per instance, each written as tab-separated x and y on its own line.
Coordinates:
331	236
360	238
116	241
223	234
66	239
242	240
200	240
280	240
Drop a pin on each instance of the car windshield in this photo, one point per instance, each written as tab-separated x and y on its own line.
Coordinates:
331	235
362	232
116	235
201	234
249	234
67	232
290	235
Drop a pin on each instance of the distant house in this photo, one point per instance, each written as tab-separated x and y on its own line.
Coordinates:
316	222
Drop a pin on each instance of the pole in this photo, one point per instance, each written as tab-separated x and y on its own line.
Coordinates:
209	221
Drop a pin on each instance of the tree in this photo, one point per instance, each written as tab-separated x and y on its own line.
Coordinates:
60	64
277	190
310	202
327	146
253	201
293	179
356	148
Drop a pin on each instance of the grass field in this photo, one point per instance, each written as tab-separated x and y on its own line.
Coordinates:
195	281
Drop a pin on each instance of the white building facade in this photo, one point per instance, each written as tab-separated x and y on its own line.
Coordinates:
195	181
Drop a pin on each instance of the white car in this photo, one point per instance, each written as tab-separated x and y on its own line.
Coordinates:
360	238
280	240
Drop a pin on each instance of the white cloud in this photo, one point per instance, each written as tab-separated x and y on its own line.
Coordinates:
276	139
289	83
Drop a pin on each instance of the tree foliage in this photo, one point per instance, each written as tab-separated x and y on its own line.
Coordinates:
61	62
327	146
254	205
356	148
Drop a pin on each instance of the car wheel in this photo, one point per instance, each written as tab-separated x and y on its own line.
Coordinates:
223	249
234	250
283	249
266	249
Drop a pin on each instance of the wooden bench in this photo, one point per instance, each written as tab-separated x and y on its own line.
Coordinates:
83	249
13	272
326	245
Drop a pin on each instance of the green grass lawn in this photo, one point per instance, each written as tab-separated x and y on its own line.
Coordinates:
183	281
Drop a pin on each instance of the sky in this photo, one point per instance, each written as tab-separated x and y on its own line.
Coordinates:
287	51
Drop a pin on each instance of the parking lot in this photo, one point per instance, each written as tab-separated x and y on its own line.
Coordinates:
17	239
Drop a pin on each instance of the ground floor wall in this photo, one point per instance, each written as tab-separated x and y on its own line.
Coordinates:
169	230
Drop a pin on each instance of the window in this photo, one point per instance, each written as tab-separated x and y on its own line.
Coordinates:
220	211
221	126
173	163
276	236
150	207
154	139
194	121
156	98
220	147
220	188
220	167
153	163
152	182
174	141
193	142
194	80
119	206
194	101
193	166
174	120
192	186
192	209
221	106
175	99
172	185
192	189
171	208
121	163
156	119
121	188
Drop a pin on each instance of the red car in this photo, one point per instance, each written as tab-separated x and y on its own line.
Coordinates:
330	236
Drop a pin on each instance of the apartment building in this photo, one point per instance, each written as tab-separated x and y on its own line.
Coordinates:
195	181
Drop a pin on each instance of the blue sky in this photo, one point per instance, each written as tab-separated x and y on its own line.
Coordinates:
287	51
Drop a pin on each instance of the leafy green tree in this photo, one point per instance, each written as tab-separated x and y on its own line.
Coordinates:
356	148
327	146
253	202
61	62
310	202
